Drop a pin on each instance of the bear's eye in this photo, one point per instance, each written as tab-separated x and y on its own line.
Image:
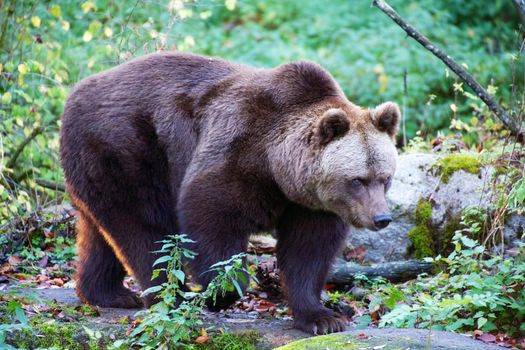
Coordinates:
357	183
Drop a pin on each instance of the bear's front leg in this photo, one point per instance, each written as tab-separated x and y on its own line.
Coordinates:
219	228
307	243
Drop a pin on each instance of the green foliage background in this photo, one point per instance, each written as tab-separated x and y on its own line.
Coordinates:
48	46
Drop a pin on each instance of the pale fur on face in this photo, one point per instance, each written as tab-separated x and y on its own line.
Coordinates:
317	174
361	154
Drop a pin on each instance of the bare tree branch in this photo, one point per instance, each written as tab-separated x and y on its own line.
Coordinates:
502	115
51	185
36	131
520	4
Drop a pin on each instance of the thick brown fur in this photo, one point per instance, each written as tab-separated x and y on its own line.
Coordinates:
177	143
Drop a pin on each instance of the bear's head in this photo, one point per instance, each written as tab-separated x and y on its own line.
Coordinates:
333	155
355	163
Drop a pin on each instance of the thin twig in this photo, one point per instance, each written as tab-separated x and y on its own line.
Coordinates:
404	115
51	185
502	115
520	4
36	131
124	27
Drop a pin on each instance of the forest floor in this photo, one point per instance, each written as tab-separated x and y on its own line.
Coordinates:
61	305
38	277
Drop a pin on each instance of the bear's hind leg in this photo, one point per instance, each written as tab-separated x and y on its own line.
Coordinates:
100	274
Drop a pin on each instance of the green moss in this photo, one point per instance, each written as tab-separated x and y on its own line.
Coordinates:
421	234
331	341
458	161
238	341
350	342
48	334
88	310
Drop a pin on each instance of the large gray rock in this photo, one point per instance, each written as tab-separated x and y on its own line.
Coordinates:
414	180
390	339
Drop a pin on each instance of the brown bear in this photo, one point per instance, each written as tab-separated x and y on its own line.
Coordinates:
179	143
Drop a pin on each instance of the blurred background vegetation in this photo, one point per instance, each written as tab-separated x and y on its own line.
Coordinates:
48	46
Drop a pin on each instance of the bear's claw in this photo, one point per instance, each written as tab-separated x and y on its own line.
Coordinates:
124	299
322	322
130	301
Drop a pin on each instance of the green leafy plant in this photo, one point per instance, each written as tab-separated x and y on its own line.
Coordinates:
14	319
171	322
517	195
473	292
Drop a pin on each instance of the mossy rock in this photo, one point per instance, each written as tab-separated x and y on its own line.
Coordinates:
390	339
349	342
451	163
421	235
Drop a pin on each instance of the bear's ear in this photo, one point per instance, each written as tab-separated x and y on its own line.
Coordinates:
333	124
386	118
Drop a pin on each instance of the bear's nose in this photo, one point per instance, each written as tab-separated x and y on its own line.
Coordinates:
382	220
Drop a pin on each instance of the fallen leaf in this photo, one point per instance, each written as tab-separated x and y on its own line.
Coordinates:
14	260
477	333
355	254
487	338
202	339
264	305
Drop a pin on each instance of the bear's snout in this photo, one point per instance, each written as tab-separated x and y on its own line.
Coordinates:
382	220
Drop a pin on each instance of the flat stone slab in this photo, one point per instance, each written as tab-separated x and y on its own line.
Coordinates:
390	339
278	332
273	332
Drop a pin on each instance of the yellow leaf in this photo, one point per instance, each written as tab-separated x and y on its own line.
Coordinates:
87	6
203	332
65	25
87	36
383	82
55	10
35	20
205	14
91	63
379	69
189	41
6	98
195	287
453	107
1	68
491	89
108	32
39	67
22	68
185	13
175	5
230	4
